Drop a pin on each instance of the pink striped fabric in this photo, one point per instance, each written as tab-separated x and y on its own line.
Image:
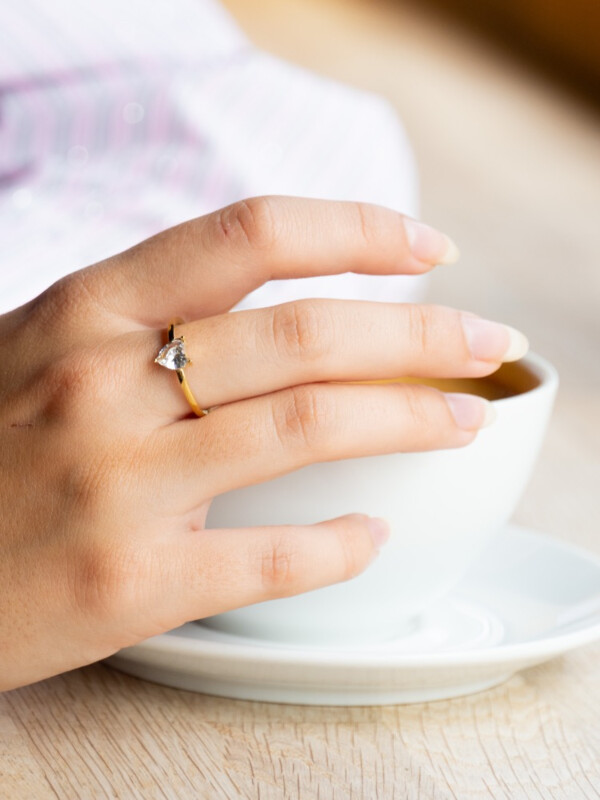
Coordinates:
119	119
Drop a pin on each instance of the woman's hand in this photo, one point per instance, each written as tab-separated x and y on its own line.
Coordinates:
106	477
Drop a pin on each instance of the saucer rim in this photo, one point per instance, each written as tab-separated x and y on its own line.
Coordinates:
255	651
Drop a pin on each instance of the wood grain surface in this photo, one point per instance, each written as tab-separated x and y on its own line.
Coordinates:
510	168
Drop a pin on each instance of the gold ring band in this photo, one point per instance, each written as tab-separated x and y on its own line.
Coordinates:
173	356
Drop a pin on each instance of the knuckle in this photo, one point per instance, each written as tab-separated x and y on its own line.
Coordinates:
58	302
278	572
417	407
105	569
105	579
301	330
250	223
367	223
304	418
78	382
66	384
93	485
420	321
67	301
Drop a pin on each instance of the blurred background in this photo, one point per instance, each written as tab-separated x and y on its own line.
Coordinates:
500	100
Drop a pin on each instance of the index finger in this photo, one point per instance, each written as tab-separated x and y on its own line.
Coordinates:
205	266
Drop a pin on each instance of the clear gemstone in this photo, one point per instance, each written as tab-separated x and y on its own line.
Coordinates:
172	355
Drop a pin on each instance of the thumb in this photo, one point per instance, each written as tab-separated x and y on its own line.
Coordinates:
213	571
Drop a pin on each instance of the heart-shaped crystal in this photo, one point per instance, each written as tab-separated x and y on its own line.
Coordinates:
172	355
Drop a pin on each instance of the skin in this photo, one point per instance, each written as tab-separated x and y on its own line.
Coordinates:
105	475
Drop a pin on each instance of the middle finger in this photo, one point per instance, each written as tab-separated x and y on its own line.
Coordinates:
250	353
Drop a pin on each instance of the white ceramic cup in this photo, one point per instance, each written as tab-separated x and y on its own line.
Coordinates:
443	507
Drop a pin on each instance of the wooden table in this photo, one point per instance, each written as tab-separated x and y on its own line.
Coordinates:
510	168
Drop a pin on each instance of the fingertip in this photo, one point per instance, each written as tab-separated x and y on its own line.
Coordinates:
490	415
451	254
379	529
493	341
429	245
470	412
518	345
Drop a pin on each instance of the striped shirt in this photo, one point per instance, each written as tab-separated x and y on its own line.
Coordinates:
124	117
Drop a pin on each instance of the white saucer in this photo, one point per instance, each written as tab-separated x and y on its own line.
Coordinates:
528	598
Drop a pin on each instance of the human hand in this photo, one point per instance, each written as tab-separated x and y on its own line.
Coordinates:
106	476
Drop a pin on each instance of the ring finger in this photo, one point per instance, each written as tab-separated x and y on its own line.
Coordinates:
250	353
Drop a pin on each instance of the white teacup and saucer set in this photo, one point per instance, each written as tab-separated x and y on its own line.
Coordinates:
457	601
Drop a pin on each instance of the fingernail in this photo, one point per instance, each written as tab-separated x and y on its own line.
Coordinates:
379	530
429	244
470	412
492	341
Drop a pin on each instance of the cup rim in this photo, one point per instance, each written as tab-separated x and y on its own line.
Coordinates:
543	370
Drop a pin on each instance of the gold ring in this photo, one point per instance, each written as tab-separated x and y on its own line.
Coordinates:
173	356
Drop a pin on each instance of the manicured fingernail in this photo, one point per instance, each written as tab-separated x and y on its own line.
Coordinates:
491	341
379	530
470	412
429	244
